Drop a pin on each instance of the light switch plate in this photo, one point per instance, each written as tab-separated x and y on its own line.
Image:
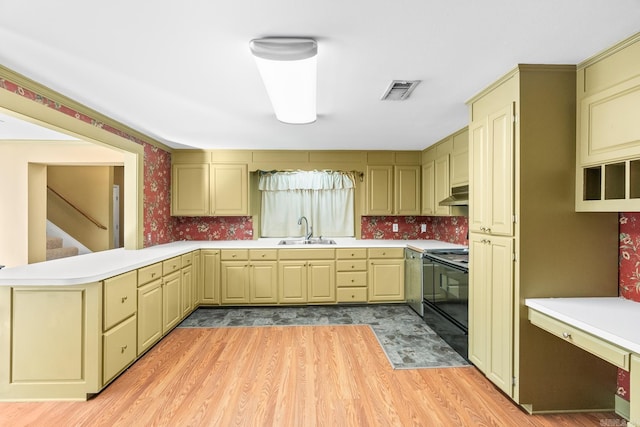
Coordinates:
395	228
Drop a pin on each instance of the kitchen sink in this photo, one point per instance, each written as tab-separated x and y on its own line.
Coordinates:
312	241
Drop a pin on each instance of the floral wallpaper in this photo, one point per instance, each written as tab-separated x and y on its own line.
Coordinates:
158	223
451	229
628	275
213	228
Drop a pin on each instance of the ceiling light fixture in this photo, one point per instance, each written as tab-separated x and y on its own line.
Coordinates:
288	70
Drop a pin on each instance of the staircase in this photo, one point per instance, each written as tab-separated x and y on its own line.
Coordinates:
55	249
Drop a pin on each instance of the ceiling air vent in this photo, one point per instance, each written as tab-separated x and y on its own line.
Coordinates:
399	90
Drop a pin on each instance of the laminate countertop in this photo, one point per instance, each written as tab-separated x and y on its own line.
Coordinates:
97	266
614	319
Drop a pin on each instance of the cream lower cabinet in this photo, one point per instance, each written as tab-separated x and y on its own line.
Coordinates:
386	274
186	284
306	275
171	305
209	281
351	275
263	276
149	315
234	276
491	308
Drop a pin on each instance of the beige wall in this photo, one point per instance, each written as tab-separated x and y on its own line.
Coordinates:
89	190
15	157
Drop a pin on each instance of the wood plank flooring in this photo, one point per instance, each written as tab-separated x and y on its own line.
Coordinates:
286	376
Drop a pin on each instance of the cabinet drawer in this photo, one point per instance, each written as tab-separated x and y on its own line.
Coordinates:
263	254
352	265
351	294
386	252
171	265
306	254
119	298
187	259
351	253
119	349
352	279
147	274
596	346
234	254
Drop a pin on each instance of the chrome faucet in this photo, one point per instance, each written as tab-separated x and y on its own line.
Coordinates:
308	231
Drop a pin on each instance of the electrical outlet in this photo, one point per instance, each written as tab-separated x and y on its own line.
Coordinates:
395	228
423	228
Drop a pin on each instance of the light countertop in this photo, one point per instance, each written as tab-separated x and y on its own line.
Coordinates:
97	266
614	319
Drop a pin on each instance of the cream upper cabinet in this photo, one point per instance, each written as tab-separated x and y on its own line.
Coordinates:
201	188
189	189
393	190
407	190
521	216
428	188
608	130
442	187
229	190
459	167
492	167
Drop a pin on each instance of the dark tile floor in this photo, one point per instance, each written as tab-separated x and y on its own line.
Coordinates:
405	338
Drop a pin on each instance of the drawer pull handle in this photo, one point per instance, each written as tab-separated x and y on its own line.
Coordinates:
122	349
153	274
566	335
124	299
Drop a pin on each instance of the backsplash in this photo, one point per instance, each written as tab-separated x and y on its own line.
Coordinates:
629	255
451	229
213	228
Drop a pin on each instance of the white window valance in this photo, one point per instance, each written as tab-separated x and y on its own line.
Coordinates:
305	180
325	198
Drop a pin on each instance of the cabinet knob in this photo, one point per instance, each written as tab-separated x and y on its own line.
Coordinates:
233	256
122	349
566	335
124	299
153	274
352	280
262	255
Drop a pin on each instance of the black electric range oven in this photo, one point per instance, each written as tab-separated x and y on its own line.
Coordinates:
445	284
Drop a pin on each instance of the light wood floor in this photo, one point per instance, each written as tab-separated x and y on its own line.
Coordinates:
286	376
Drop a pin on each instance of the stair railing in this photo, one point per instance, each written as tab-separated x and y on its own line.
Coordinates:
84	214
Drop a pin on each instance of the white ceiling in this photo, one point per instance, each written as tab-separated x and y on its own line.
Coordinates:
182	72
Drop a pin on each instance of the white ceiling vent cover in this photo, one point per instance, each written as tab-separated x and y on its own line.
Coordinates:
399	90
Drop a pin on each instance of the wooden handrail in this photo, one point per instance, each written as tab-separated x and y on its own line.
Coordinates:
84	214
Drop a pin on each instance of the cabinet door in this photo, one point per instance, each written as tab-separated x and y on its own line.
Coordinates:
478	164
234	282
210	288
229	189
407	190
186	285
149	315
500	170
386	280
190	189
428	188
264	282
379	185
293	281
197	279
442	187
322	281
459	172
171	306
491	308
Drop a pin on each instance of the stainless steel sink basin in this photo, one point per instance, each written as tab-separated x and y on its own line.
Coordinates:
317	241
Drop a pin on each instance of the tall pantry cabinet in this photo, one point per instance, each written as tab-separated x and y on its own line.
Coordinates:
526	241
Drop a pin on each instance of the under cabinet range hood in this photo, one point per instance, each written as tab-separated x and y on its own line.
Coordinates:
459	197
